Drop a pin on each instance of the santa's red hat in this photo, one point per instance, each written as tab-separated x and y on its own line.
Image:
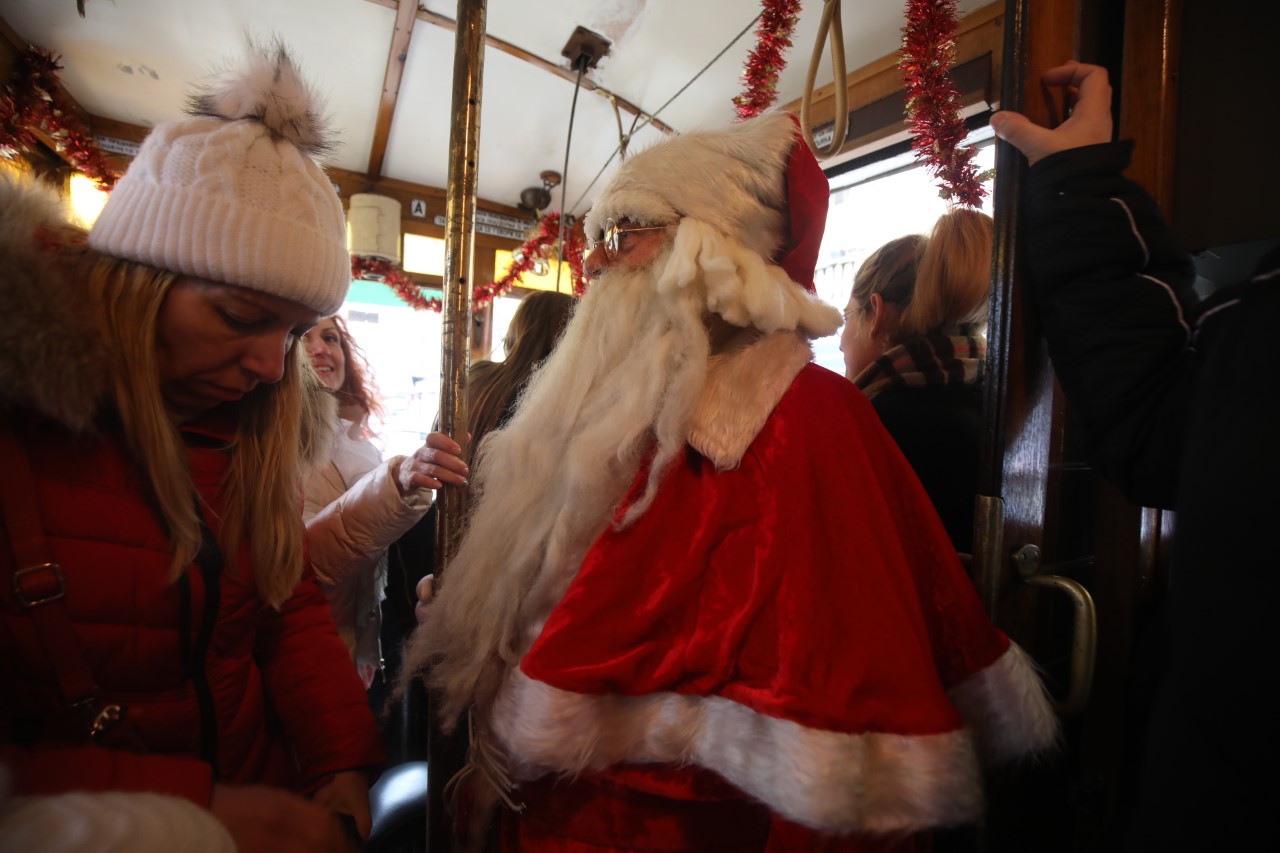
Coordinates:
751	202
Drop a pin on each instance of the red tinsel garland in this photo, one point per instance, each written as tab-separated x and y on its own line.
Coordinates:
522	261
933	104
765	63
377	269
33	99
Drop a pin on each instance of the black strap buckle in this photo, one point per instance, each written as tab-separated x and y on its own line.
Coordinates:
39	584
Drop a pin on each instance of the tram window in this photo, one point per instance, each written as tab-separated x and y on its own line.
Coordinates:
504	308
423	254
870	206
403	348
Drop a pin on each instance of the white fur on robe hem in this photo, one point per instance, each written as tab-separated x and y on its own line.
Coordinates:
834	782
1007	708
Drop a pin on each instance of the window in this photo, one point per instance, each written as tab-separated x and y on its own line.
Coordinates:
871	206
423	255
541	277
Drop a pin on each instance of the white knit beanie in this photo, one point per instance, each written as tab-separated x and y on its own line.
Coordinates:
233	194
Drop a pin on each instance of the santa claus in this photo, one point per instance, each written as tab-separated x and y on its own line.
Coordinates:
702	601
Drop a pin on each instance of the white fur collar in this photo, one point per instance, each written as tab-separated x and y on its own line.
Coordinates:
743	387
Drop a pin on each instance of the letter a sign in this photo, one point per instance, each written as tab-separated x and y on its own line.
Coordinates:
418	208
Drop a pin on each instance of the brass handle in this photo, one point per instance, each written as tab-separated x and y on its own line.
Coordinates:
1084	641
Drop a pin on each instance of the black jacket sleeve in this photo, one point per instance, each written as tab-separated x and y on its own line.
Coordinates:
1114	295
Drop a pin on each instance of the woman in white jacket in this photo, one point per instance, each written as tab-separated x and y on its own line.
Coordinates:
357	505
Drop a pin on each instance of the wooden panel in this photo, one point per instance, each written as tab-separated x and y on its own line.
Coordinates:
1148	95
1020	385
1027	809
1225	183
405	17
120	130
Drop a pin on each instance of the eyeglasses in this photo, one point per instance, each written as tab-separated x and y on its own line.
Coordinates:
613	236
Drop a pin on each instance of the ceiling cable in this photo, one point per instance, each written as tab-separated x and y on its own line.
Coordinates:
581	62
625	140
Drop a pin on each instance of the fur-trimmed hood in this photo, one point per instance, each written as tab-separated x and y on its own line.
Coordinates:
52	359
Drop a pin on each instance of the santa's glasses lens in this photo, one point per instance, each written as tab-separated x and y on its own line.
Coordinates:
609	240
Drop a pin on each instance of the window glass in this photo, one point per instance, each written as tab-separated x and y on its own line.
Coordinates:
403	349
870	207
423	255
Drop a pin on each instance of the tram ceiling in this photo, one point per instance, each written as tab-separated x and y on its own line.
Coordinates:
130	61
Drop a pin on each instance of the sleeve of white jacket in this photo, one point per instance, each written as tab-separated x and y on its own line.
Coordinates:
347	536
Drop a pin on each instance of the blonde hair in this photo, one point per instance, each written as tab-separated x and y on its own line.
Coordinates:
939	283
278	428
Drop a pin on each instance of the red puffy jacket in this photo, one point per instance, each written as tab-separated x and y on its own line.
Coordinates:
217	686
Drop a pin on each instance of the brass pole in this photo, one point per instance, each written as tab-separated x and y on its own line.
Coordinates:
459	244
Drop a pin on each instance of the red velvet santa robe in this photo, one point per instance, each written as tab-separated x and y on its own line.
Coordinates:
783	652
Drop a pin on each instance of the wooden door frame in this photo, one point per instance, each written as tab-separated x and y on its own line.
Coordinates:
1026	431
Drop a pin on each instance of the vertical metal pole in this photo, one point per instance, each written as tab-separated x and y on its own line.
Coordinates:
459	246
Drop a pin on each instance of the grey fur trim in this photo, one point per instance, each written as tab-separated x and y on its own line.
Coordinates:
50	357
268	88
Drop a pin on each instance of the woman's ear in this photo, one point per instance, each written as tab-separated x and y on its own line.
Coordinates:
885	320
875	316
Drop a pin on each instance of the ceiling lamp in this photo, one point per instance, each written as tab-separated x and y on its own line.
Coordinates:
537	199
373	227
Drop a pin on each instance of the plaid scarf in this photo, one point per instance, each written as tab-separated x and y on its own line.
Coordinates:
926	361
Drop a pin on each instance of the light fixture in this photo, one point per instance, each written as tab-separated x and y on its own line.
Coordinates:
373	227
537	199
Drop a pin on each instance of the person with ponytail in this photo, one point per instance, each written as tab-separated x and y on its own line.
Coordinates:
161	629
914	342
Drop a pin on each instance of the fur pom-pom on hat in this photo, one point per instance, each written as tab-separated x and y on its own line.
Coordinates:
268	89
233	194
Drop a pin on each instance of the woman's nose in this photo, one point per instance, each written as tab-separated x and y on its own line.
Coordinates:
264	359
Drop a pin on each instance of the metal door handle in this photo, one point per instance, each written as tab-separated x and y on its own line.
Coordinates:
1084	641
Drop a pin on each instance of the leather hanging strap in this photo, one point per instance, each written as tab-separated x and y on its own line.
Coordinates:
40	587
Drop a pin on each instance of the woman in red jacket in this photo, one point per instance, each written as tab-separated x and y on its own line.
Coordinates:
159	627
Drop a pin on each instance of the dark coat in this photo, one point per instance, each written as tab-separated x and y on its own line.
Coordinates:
1180	403
939	430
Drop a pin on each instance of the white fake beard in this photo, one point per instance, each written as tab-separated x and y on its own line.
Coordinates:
623	380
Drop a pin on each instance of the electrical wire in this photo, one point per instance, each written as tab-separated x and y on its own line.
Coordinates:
582	61
649	119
